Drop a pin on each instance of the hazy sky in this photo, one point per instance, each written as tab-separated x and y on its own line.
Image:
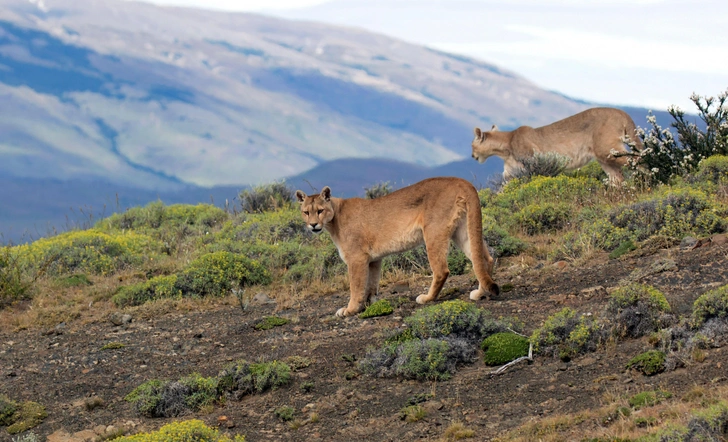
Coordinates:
650	53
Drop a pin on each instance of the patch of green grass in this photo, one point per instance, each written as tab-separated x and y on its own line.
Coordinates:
146	397
458	431
649	363
113	346
648	398
269	322
298	362
412	413
501	348
285	413
243	378
158	287
203	391
379	308
8	408
77	280
623	248
307	387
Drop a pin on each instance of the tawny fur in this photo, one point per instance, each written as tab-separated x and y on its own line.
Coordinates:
431	212
591	134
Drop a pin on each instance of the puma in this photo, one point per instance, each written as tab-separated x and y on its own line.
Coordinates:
592	134
431	212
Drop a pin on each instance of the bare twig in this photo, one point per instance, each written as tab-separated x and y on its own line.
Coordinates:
514	362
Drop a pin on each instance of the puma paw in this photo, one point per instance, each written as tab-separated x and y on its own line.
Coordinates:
476	294
422	299
341	313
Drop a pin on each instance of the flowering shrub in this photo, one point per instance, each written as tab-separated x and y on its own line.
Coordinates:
662	156
190	430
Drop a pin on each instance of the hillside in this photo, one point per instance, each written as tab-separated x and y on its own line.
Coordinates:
164	314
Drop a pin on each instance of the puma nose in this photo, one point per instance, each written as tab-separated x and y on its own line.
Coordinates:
313	225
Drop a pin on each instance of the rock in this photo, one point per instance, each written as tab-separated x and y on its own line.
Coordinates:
593	291
400	287
84	436
262	299
561	265
99	429
719	240
688	243
118	318
60	436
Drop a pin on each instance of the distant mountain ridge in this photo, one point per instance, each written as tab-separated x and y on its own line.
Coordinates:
100	98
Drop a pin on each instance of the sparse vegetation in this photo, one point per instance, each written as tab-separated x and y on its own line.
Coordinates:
649	363
269	322
648	398
412	413
712	304
636	310
541	164
377	190
285	413
266	198
566	334
20	417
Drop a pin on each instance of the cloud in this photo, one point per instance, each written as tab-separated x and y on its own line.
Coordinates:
240	5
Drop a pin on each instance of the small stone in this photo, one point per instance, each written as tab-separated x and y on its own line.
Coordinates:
99	429
118	318
593	291
628	381
262	299
110	429
719	240
561	265
688	243
400	287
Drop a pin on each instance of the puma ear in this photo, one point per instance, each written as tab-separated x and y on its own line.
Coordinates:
326	193
477	132
300	196
494	128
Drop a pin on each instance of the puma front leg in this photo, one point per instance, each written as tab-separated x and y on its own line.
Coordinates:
358	284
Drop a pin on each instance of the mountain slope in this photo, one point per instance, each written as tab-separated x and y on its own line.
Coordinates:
157	97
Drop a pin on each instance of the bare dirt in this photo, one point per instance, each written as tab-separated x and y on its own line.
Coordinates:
64	368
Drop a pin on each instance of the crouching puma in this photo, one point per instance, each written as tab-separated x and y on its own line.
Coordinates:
433	212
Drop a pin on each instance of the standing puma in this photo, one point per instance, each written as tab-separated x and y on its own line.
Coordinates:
591	134
433	212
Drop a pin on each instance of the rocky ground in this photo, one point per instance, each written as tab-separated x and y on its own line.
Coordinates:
83	386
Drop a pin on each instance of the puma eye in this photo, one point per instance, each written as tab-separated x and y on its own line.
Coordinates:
305	212
320	211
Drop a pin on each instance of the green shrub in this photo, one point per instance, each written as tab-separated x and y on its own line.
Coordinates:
8	408
636	310
648	363
648	399
501	348
566	334
269	322
547	164
147	397
26	416
678	213
87	251
545	217
498	238
710	423
113	346
377	190
190	430
266	198
379	308
214	274
202	391
14	285
454	318
412	413
457	262
711	304
623	248
156	288
713	169
285	413
241	378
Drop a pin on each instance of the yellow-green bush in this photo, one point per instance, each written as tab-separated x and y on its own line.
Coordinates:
214	274
184	431
711	304
14	283
157	216
636	310
712	169
560	189
501	348
89	251
155	288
